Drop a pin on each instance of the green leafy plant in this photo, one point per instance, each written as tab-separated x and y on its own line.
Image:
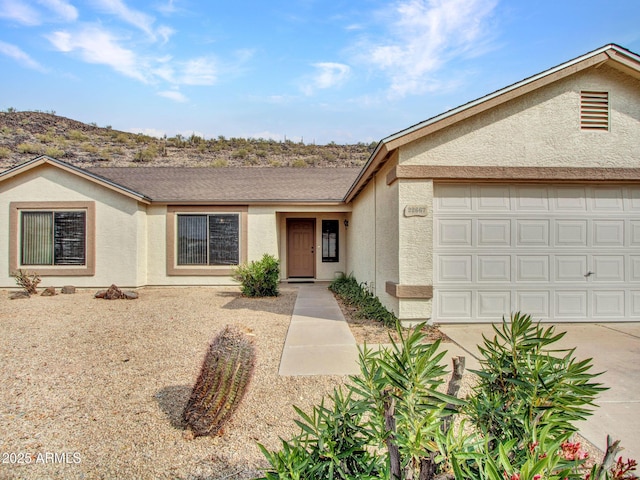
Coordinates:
524	385
359	295
223	381
392	421
385	424
259	278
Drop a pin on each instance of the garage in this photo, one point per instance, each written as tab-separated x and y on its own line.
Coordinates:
564	253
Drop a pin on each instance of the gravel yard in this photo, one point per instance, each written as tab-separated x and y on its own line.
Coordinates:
95	388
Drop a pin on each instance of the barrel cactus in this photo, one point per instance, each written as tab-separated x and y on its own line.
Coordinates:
225	375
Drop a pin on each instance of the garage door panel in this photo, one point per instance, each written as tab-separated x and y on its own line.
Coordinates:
570	268
532	268
571	233
634	228
635	303
634	265
608	304
454	268
571	304
531	199
608	200
608	268
494	268
608	233
454	304
493	304
570	199
634	199
493	199
494	232
453	198
532	302
532	233
454	233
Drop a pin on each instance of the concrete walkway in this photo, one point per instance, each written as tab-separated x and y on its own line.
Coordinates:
319	341
615	350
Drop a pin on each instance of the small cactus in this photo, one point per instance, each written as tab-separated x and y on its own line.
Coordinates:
225	375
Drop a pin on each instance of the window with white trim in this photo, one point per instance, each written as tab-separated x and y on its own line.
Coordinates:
53	238
208	239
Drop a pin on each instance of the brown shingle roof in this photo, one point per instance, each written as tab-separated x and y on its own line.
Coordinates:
233	185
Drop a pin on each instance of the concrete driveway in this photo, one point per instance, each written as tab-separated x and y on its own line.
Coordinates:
615	350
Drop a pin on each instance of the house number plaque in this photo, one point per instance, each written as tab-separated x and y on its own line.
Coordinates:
415	211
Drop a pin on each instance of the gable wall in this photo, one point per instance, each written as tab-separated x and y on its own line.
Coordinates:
542	129
120	235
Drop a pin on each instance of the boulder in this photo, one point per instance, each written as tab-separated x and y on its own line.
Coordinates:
48	292
20	294
68	289
114	293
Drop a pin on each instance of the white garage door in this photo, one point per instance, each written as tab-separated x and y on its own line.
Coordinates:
559	253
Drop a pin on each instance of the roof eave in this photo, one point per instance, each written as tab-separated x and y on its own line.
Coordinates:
43	159
625	58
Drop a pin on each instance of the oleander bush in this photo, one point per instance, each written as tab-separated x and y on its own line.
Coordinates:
392	421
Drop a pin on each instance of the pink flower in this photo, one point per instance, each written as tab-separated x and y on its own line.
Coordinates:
573	451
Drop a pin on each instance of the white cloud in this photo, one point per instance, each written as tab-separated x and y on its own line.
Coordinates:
20	12
63	9
20	56
96	45
199	71
423	35
138	19
174	95
327	75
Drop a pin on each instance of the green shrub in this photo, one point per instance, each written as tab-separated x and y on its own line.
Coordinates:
358	295
259	278
5	152
146	154
393	422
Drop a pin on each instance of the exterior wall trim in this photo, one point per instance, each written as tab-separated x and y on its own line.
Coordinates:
409	291
87	270
173	269
514	174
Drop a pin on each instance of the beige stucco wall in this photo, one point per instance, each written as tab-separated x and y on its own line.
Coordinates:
120	226
542	129
373	237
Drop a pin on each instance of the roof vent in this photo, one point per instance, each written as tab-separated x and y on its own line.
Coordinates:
594	110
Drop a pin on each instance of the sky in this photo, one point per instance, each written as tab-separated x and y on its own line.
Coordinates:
343	71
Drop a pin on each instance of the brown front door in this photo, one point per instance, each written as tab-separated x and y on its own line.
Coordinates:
301	256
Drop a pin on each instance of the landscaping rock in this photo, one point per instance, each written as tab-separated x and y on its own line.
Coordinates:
20	294
68	289
114	293
48	292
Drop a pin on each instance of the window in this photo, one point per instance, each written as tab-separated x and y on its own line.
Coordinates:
53	238
205	240
594	110
212	239
330	241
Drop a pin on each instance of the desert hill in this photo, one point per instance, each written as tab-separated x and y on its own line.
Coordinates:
25	135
